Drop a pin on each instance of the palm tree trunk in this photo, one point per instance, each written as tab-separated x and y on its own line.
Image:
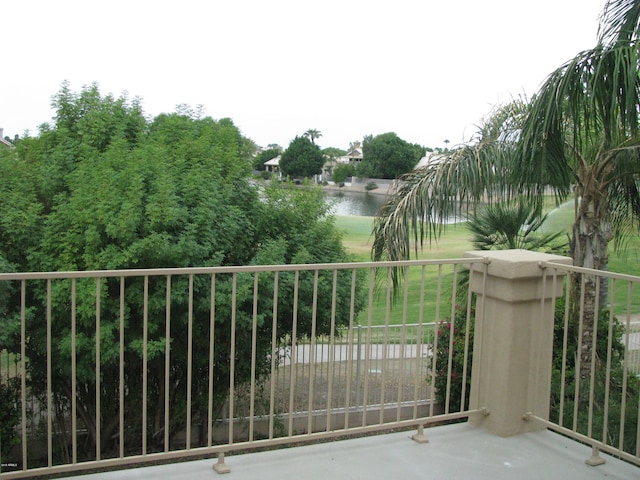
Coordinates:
589	248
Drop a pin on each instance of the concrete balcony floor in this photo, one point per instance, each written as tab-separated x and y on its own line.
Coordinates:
454	452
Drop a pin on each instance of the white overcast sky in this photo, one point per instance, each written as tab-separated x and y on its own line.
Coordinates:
428	70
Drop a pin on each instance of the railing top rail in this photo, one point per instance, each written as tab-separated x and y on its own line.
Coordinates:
232	269
602	273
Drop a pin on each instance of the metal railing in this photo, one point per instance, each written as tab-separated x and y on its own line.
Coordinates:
595	395
112	368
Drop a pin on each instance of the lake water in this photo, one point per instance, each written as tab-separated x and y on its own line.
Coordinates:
357	204
361	204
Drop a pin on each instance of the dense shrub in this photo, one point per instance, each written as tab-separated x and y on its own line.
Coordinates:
9	414
453	342
341	172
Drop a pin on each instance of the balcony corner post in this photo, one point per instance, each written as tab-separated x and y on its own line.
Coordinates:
513	339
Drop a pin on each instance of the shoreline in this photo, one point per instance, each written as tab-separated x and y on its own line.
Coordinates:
381	190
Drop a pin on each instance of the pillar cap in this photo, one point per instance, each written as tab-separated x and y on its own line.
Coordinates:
517	263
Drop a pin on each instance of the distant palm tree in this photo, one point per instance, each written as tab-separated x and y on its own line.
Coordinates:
355	146
312	134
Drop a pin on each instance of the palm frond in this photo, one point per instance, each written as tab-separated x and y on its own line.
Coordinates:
619	22
584	109
448	188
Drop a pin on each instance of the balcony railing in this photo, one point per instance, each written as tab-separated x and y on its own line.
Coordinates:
117	367
597	403
111	368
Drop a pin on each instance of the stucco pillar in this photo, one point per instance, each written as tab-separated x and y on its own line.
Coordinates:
513	340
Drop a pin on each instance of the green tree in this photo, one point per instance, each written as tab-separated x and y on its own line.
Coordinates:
388	156
302	158
173	192
333	152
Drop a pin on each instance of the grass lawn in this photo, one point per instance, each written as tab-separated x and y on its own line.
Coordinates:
453	244
357	239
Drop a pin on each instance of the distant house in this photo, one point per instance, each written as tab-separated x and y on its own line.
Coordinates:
428	159
273	166
3	141
354	157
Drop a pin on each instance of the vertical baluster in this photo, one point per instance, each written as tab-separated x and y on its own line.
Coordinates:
145	334
467	346
385	345
349	367
49	386
402	345
419	339
367	354
274	354
74	425
97	373
578	380
625	367
23	370
436	338
607	384
189	360
212	324
594	349
121	372
331	359
232	355
167	362
452	334
293	363
254	341
312	353
565	345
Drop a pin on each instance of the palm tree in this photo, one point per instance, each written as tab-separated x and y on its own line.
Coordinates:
511	225
312	134
583	129
580	131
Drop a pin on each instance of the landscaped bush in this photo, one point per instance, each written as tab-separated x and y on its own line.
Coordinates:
617	424
457	362
342	172
371	186
9	414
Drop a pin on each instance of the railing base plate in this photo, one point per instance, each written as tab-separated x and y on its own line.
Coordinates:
221	467
419	437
